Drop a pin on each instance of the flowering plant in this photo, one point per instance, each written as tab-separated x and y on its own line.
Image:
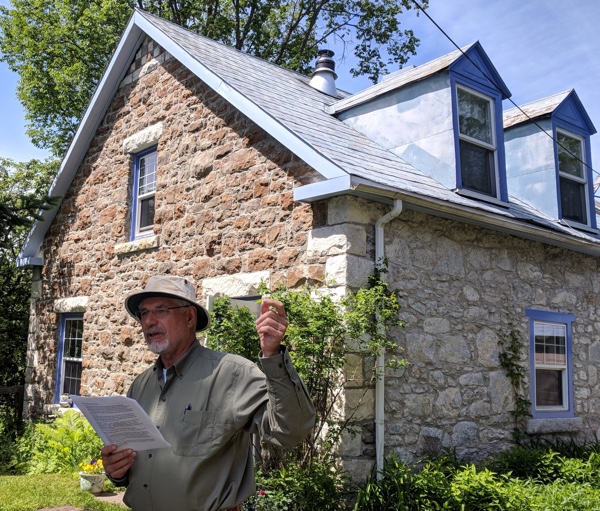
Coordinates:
93	467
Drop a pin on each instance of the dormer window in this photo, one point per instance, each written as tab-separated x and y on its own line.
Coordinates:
572	177
477	142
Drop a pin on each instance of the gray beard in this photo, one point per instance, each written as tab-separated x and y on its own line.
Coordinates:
158	347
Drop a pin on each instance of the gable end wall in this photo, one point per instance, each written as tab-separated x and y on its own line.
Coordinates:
224	205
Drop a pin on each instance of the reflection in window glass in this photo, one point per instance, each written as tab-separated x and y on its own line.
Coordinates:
572	181
474	116
570	155
477	145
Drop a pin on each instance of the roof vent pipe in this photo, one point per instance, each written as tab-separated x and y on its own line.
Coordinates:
323	78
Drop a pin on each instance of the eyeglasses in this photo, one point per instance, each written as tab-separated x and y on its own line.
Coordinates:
159	312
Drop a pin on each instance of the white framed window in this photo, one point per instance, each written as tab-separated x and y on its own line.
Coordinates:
68	379
144	190
572	175
477	143
551	363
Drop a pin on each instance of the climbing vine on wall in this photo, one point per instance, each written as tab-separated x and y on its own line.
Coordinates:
511	358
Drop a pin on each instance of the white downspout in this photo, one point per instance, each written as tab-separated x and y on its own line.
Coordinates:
380	383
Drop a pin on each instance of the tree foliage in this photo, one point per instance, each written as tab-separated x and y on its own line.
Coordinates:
22	194
60	48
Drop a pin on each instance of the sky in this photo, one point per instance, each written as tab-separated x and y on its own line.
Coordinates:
539	48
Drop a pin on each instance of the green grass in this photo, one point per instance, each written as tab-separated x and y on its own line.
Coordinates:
33	492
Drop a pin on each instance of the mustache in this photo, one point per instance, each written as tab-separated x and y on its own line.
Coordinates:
154	330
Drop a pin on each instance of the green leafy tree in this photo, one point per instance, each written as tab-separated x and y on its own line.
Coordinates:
60	48
22	195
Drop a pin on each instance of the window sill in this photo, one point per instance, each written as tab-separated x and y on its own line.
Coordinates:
480	196
545	426
137	245
578	226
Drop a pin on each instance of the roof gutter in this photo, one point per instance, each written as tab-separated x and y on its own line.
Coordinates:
444	209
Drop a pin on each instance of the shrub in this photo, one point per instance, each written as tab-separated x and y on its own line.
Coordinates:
16	452
297	488
543	465
392	490
321	333
483	491
561	496
59	446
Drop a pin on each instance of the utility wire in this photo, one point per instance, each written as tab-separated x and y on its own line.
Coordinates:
596	186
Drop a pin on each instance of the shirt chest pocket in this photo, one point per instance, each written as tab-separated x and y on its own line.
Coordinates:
195	434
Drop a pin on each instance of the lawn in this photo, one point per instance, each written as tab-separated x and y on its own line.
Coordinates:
33	492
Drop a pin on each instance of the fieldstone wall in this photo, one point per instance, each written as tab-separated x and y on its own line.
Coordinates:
460	286
224	205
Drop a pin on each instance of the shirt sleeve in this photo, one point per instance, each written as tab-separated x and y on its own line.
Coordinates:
289	414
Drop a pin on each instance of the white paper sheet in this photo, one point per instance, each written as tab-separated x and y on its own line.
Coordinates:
122	421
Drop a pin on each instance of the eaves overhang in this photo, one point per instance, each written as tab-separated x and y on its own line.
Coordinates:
105	91
377	192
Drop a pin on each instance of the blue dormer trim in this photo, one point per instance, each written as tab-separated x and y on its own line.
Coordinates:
571	117
572	112
502	193
475	71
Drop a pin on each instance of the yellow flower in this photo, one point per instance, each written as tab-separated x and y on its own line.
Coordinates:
93	467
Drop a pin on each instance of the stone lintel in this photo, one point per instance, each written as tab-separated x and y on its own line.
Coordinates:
73	304
241	284
143	139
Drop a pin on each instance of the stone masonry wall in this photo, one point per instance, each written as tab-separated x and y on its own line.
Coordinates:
223	205
460	286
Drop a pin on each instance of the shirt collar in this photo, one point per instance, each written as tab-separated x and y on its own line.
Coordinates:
181	366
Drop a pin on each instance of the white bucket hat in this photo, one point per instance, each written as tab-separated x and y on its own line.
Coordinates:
170	287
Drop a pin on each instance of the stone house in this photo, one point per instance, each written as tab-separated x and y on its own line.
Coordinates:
197	160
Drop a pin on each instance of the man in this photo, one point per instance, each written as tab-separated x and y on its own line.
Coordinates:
206	404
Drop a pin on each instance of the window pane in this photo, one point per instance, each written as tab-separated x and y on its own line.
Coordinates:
570	155
572	200
477	168
72	380
474	116
147	212
147	174
550	344
548	388
73	338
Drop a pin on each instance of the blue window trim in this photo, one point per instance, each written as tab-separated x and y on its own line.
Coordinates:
591	211
61	350
496	98
134	195
551	317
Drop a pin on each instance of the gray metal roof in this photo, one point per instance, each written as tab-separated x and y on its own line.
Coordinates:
534	110
400	79
288	108
545	107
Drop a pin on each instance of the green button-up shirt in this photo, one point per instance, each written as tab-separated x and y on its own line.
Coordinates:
207	410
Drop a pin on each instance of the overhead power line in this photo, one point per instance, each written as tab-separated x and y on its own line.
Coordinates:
596	183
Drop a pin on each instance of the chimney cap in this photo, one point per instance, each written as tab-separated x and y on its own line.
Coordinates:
324	76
